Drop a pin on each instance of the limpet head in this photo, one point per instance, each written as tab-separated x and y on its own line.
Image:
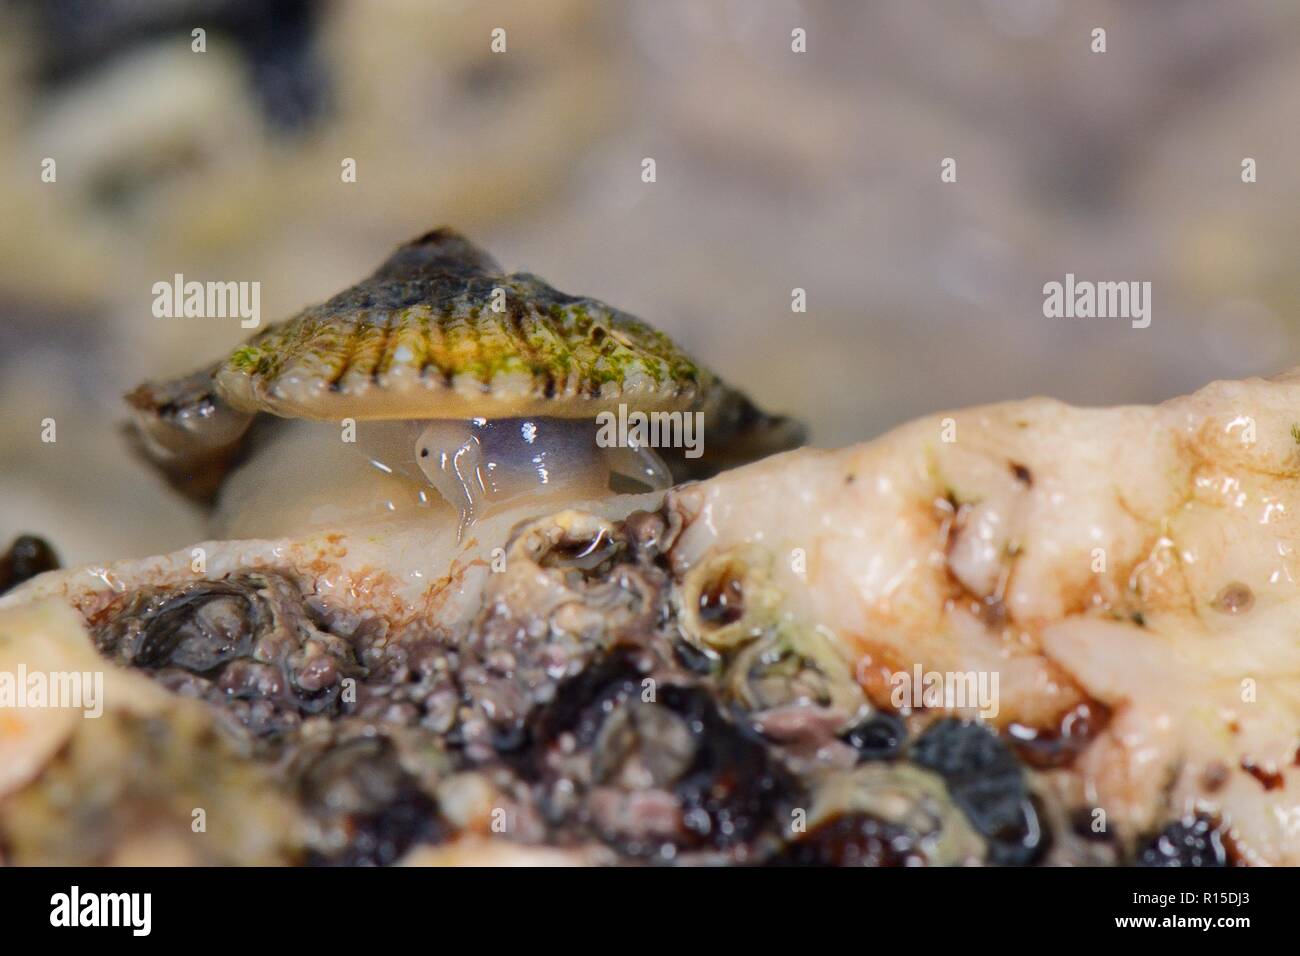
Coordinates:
471	361
482	463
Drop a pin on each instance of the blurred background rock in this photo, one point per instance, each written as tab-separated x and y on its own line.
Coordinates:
775	170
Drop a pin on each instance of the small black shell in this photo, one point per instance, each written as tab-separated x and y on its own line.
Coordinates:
988	783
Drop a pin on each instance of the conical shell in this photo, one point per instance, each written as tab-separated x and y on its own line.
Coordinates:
440	332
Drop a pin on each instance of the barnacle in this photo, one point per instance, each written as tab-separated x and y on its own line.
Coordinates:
728	599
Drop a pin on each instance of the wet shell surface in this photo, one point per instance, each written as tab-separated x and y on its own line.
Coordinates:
439	331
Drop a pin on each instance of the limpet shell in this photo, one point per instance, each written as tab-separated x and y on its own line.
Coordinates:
439	331
423	338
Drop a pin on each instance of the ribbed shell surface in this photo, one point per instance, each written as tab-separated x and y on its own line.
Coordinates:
439	332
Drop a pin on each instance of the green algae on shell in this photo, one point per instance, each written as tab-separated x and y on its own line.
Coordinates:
420	339
439	331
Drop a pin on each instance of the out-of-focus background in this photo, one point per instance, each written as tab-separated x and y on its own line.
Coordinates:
774	170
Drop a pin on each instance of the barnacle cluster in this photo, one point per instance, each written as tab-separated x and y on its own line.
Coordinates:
605	700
